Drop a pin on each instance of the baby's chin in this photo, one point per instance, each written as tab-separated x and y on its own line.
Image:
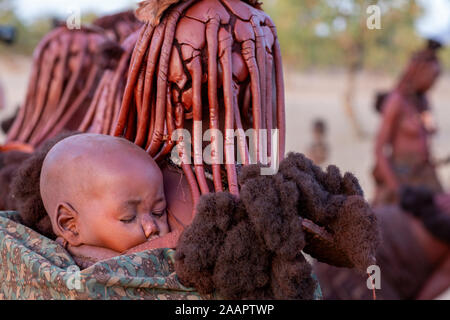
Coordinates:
126	247
168	240
144	241
151	238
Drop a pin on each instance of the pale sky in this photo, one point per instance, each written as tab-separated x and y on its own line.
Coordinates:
435	23
30	9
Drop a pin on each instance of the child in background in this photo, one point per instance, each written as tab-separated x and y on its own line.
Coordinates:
318	150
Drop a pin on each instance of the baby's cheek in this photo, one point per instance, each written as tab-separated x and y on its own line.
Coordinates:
163	226
124	238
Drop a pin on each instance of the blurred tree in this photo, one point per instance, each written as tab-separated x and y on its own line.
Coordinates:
335	33
332	33
28	35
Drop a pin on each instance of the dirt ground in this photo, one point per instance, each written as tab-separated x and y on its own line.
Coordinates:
310	95
14	72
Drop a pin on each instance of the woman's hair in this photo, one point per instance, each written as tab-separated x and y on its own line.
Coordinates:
380	100
9	163
251	248
319	125
25	189
120	25
255	3
434	45
419	62
66	69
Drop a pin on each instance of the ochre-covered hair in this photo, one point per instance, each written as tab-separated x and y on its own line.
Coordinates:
67	66
104	108
120	25
213	60
420	61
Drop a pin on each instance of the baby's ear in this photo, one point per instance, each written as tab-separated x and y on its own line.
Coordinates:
66	224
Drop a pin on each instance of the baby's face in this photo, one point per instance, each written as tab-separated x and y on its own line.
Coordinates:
123	208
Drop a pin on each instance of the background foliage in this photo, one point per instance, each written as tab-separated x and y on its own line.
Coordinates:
330	33
325	34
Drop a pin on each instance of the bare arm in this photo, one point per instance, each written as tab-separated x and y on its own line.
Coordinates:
429	122
443	202
384	138
438	282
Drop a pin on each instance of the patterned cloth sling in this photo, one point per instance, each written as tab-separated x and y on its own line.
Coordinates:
35	267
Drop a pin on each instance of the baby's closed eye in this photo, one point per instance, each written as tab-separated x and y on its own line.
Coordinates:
128	220
159	213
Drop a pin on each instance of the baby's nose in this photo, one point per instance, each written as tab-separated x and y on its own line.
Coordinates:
149	226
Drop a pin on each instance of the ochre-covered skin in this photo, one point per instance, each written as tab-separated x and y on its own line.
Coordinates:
67	66
216	61
82	188
26	192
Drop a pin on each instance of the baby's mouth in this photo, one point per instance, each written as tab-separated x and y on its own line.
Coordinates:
153	237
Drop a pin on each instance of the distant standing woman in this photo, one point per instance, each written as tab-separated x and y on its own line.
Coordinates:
402	147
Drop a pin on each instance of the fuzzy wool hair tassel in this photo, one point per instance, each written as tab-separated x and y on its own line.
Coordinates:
251	247
151	11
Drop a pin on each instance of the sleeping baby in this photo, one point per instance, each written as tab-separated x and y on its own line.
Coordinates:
102	196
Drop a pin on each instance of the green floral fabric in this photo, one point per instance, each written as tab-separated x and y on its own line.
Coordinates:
35	267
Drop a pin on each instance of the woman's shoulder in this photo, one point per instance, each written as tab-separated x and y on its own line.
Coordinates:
394	103
395	99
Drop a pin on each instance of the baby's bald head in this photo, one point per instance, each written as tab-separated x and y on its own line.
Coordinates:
105	181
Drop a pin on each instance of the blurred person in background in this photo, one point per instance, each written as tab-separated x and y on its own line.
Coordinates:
414	255
402	148
318	150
